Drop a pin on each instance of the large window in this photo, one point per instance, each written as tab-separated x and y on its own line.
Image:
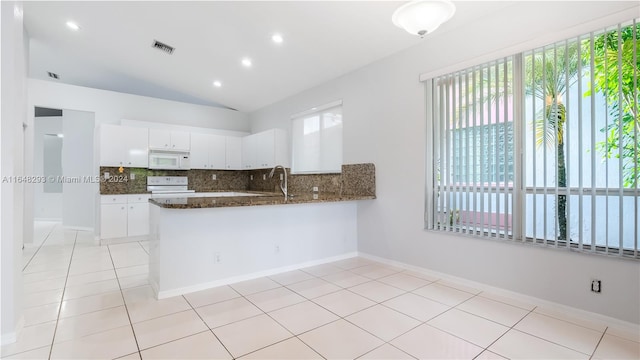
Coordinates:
317	140
541	147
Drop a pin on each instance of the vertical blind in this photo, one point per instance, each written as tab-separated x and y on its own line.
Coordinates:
541	147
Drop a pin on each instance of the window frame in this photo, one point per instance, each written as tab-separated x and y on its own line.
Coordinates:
520	191
317	110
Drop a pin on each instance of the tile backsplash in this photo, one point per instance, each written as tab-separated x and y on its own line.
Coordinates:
355	179
199	180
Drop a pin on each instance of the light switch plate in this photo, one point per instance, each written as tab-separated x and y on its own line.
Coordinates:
132	176
106	175
213	177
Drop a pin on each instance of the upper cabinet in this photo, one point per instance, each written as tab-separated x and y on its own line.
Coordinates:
124	146
169	140
217	152
233	153
208	151
265	150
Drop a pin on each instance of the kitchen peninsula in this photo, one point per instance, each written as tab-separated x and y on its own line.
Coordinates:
202	242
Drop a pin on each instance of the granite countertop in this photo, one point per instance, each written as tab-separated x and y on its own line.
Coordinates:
264	199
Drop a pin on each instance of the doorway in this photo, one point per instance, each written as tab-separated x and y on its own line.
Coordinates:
63	157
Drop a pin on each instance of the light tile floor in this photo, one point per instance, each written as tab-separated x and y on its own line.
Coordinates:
87	301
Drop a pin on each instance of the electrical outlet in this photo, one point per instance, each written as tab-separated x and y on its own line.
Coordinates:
596	286
315	189
250	177
216	257
106	176
132	176
264	176
281	177
213	177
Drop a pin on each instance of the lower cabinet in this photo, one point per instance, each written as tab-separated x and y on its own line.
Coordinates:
124	216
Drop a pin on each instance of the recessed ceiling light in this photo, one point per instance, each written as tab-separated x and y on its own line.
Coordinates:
246	62
277	38
217	83
73	26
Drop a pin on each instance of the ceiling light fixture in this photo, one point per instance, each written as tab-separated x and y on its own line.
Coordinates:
73	26
423	17
277	38
246	62
217	83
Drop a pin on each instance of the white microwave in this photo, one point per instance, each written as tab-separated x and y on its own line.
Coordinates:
165	160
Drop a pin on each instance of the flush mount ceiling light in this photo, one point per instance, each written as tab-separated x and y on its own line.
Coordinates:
422	17
277	38
217	84
246	62
73	26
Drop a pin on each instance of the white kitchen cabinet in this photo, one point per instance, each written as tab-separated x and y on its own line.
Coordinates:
113	216
169	140
199	151
124	216
208	151
137	215
265	150
124	146
233	153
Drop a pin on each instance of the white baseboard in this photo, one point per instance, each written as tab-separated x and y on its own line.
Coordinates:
79	228
9	338
255	275
48	219
123	240
549	305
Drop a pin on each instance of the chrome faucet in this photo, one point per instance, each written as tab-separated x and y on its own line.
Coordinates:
283	188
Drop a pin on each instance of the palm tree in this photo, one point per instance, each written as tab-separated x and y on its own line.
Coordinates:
549	75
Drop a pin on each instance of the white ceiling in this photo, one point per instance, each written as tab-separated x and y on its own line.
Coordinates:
322	40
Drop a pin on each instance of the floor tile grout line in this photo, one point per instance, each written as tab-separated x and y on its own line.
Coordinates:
40	247
124	301
55	330
547	340
383	344
207	325
567	321
598	344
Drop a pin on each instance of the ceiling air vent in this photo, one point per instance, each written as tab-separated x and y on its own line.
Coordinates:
53	75
162	46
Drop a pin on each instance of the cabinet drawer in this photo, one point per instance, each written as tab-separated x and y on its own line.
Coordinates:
113	199
138	198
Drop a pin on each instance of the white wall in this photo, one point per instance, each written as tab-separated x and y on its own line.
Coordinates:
384	123
111	107
78	199
14	55
47	205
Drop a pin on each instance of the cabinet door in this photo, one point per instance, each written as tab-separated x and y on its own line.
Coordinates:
138	219
113	221
159	139
249	152
112	146
180	140
137	140
217	152
233	153
199	151
265	149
